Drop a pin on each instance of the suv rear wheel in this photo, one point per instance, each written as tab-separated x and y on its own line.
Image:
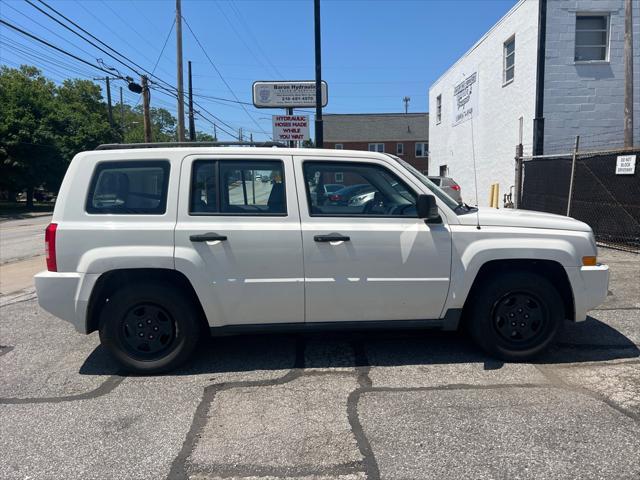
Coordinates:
149	328
516	315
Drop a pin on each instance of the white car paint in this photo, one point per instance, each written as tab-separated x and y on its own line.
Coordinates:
272	271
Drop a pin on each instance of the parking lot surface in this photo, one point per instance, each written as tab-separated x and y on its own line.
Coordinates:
348	406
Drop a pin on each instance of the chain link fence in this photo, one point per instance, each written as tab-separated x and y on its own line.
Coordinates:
606	201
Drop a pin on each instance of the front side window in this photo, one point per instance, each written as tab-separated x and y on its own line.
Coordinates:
421	149
368	190
592	36
227	187
129	187
376	147
509	66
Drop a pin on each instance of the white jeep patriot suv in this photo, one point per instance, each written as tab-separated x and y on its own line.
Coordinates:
154	246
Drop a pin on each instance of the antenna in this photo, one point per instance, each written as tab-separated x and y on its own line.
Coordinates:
475	171
406	101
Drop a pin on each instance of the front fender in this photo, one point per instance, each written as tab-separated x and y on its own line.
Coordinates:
474	248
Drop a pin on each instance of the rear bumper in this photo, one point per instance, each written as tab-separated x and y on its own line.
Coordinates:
590	287
66	295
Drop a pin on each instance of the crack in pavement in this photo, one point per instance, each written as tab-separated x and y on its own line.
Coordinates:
222	470
369	464
4	349
557	381
103	389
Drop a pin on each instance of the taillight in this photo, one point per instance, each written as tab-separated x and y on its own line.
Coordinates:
335	198
50	246
455	187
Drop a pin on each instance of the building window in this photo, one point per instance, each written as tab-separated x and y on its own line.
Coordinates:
339	177
438	108
422	149
592	37
339	146
509	66
444	170
400	149
376	147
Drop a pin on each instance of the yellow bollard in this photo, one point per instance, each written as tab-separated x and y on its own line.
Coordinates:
496	195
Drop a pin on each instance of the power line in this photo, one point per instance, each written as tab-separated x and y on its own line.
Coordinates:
30	35
221	76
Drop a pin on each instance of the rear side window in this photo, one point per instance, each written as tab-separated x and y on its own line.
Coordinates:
135	187
228	187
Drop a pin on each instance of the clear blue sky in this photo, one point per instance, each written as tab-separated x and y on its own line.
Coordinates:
373	52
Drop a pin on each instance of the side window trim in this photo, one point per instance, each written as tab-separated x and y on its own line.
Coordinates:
218	213
102	165
386	169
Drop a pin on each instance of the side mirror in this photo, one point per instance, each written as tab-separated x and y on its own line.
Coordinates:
427	207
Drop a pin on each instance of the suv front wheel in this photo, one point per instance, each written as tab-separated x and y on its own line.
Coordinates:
150	328
515	315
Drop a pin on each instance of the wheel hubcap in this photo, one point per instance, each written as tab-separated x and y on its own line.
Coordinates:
519	317
148	330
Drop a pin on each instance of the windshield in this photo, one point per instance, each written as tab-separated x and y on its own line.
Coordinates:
451	203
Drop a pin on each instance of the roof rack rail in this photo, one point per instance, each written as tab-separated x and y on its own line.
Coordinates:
118	146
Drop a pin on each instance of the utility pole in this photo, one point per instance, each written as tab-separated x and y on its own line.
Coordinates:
109	101
406	101
290	112
109	107
215	132
240	134
146	114
121	111
192	124
319	127
628	74
179	62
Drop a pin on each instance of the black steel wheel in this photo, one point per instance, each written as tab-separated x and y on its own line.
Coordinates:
515	315
150	328
519	317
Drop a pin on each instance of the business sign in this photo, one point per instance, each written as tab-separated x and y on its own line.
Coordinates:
287	94
290	127
626	165
465	99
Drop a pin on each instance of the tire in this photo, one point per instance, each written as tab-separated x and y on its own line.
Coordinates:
515	316
154	314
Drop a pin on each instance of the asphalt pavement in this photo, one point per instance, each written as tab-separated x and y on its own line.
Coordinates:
390	405
23	238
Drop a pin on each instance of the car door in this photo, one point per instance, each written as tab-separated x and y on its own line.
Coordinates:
372	259
237	238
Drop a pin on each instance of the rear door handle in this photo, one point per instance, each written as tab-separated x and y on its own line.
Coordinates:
332	237
207	237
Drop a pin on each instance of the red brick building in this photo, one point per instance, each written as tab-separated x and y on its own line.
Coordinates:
403	134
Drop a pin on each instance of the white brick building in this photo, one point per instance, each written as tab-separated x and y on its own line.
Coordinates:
571	78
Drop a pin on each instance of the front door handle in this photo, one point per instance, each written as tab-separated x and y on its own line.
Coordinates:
207	237
332	237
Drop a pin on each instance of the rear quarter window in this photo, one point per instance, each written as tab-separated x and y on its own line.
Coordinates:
129	188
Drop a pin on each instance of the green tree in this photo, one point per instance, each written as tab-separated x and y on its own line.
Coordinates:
205	137
30	156
163	125
42	126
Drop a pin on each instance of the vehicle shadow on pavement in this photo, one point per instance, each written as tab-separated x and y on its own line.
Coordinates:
589	341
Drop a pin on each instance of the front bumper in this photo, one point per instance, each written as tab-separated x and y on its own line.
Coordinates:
590	286
66	295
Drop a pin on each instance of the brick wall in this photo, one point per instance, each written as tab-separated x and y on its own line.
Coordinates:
587	99
421	163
